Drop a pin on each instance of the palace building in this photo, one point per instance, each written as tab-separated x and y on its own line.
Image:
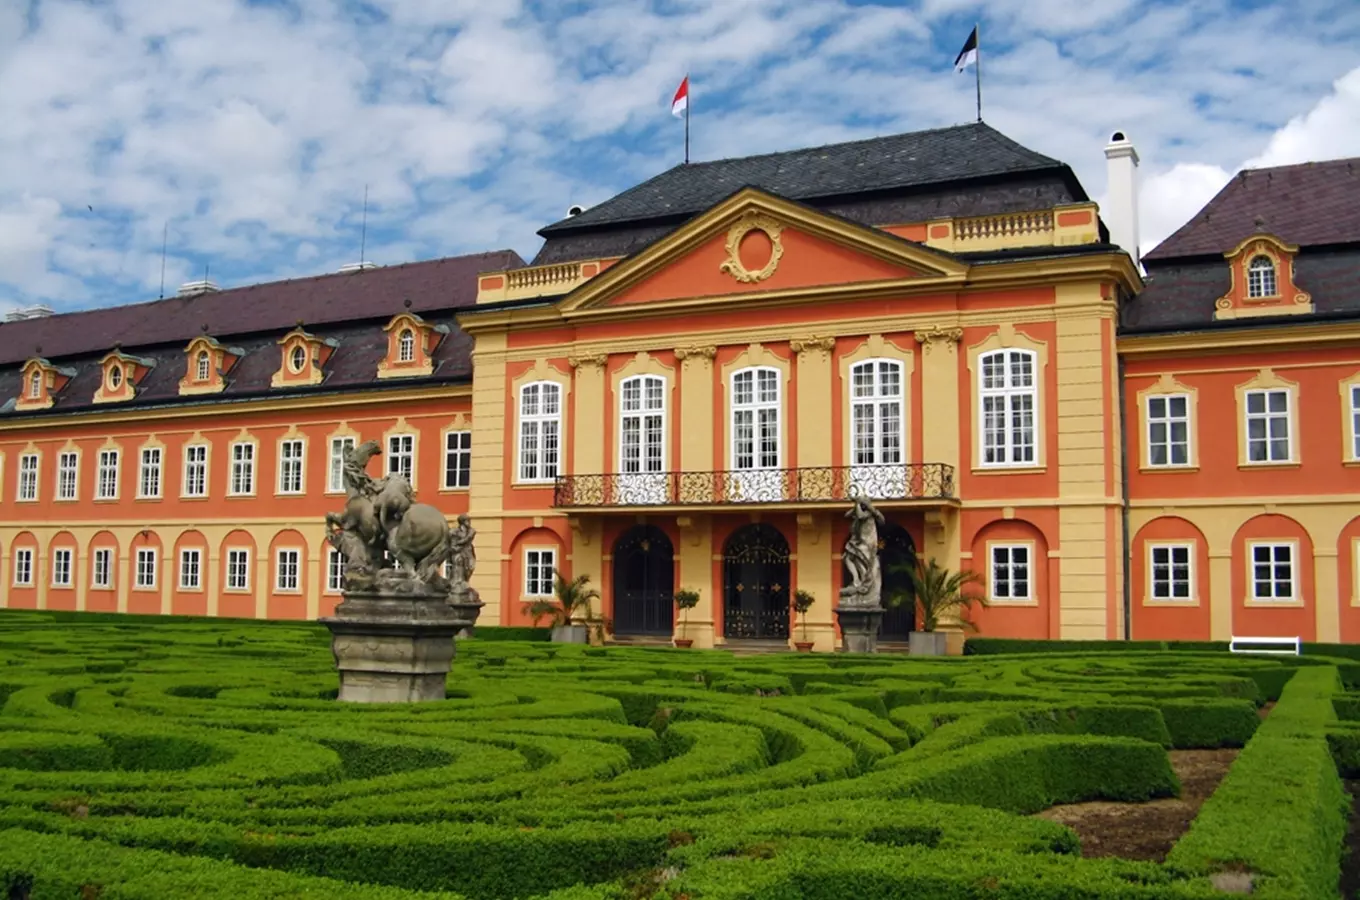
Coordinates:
691	380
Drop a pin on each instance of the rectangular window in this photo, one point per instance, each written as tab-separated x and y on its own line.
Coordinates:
286	570
1272	572
1009	396
1011	572
1355	422
457	458
540	409
538	572
336	479
242	469
755	419
290	467
149	479
102	573
23	567
106	488
61	568
1168	423
1268	426
146	568
401	456
335	571
1170	572
68	474
28	476
196	470
190	569
238	570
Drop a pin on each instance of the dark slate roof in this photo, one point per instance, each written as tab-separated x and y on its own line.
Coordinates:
1309	204
891	163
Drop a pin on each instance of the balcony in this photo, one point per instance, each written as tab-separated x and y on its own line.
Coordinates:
815	484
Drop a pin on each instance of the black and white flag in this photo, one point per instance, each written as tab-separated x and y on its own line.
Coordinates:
969	54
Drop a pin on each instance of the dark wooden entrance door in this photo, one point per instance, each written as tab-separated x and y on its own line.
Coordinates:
644	576
756	583
896	553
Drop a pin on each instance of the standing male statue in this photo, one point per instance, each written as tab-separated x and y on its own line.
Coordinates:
861	556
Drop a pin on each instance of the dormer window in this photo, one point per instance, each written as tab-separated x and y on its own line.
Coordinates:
411	343
39	384
1261	278
115	377
406	346
203	370
206	364
303	358
297	358
35	385
122	374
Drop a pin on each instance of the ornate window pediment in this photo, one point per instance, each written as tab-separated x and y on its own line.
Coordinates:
411	342
119	376
206	364
303	358
39	384
1263	283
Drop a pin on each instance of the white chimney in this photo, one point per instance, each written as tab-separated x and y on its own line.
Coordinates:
1121	204
194	288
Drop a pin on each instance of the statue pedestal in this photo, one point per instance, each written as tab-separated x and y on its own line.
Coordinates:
859	628
396	647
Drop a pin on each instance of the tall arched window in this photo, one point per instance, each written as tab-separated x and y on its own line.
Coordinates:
204	367
1261	278
406	346
755	419
35	385
540	429
876	428
1008	399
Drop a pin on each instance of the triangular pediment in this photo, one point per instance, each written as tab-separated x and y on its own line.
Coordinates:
762	246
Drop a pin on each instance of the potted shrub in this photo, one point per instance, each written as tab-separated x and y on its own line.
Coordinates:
570	601
939	593
802	602
685	600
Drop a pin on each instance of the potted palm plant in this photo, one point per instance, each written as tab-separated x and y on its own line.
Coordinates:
802	602
568	608
685	600
939	593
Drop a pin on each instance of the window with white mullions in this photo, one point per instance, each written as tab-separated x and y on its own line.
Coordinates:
406	346
146	568
457	459
290	466
190	569
1268	438
35	385
755	419
242	469
876	427
203	367
1009	398
286	569
335	571
23	567
68	470
642	439
401	457
1272	572
28	476
1171	571
106	485
1261	277
61	568
1168	423
149	475
196	470
1011	572
238	570
102	569
336	481
1355	422
540	416
538	572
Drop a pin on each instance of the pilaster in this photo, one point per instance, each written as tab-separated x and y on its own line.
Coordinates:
816	576
696	413
1327	594
813	441
491	441
1220	593
940	394
587	426
696	573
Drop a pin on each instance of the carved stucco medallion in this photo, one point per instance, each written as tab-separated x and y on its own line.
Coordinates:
734	266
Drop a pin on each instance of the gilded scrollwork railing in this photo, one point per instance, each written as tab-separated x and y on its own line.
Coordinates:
912	481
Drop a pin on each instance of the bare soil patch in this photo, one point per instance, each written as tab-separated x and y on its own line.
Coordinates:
1264	711
1146	831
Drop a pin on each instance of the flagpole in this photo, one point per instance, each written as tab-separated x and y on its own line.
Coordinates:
687	93
977	29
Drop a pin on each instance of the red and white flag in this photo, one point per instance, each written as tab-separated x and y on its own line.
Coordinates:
680	102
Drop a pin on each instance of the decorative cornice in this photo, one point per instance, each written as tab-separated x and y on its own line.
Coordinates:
745	225
813	345
594	359
696	352
928	337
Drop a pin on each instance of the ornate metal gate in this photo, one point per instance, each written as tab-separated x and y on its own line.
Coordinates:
895	552
644	575
756	583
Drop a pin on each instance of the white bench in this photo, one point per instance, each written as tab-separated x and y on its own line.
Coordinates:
1289	646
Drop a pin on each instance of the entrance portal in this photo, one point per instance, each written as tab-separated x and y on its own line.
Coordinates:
644	582
897	555
756	583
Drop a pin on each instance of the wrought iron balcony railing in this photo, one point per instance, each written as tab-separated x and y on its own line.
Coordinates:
913	481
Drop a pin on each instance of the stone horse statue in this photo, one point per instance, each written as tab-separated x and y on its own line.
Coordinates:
381	517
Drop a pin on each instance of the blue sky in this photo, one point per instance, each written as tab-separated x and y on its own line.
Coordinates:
251	127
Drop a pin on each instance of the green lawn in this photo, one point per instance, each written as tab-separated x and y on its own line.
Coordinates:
199	759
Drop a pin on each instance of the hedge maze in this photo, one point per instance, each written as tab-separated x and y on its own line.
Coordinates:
209	760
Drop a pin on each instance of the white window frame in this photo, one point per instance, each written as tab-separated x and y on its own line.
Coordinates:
1012	453
107	475
1170	565
115	377
287	562
646	414
335	571
35	385
534	577
58	569
194	583
101	568
335	462
1258	276
202	366
150	463
404	456
1292	548
406	346
1010	548
1167	421
296	365
141	558
756	414
1267	416
68	476
26	485
235	555
241	469
874	408
192	466
23	566
457	460
293	465
539	434
1354	391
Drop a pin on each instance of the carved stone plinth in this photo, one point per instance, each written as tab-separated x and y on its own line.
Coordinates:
396	648
859	628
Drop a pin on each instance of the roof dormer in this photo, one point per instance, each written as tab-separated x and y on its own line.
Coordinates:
119	376
303	358
206	363
40	382
1263	284
410	346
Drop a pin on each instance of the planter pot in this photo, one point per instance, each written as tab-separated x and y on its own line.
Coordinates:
928	643
570	634
684	643
803	646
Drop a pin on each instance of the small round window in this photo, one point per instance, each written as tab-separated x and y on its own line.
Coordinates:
298	358
116	377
